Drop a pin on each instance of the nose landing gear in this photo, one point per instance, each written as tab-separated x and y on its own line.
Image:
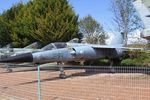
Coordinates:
62	74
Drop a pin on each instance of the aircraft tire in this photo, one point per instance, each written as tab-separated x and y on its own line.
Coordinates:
9	70
62	75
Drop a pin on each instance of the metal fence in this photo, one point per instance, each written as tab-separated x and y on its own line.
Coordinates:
81	83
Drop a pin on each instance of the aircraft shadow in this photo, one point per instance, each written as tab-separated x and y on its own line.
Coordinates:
58	78
43	80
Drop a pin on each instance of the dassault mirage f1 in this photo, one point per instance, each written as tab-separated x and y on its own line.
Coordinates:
72	52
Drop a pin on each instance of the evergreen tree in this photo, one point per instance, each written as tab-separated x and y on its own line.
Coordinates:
55	21
4	32
9	17
44	21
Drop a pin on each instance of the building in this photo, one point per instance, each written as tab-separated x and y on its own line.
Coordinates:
147	3
135	38
143	8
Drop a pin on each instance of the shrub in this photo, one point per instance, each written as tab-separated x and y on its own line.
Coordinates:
137	59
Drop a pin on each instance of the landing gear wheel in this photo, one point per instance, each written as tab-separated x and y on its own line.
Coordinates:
62	75
9	70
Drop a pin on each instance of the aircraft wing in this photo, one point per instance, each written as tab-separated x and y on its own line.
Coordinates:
116	47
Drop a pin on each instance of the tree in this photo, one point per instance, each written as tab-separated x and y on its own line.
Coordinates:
7	24
125	17
10	18
5	37
50	21
92	30
22	26
43	21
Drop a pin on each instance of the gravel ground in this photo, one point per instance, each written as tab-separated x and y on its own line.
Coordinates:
22	85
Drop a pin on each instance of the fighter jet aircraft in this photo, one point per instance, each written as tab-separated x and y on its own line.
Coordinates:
71	52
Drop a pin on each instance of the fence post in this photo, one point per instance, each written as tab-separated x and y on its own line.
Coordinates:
39	83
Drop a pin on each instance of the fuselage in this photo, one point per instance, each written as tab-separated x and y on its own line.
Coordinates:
73	52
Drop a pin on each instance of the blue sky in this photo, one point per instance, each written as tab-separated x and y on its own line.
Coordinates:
98	9
6	4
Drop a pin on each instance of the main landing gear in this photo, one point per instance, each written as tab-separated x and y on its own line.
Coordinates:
112	70
115	61
62	74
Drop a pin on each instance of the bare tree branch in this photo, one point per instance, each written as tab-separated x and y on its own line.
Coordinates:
125	17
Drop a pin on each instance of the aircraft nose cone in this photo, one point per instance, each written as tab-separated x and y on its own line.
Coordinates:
27	57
